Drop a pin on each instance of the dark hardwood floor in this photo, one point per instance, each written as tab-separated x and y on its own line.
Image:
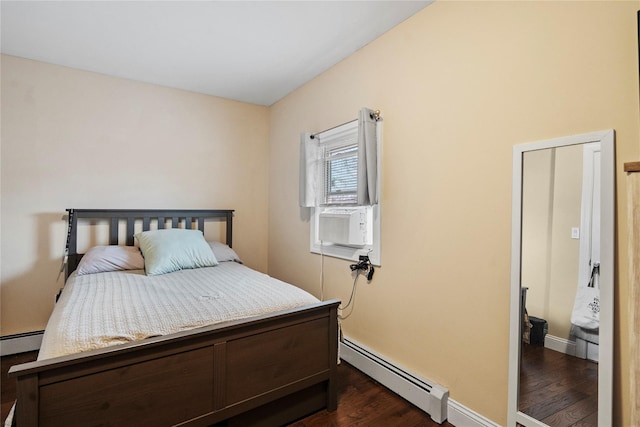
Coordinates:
361	401
558	389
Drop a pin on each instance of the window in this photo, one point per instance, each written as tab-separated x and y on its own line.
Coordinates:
341	180
341	174
339	227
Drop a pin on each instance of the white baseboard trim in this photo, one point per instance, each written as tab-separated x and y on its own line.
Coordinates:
461	416
424	394
560	344
20	343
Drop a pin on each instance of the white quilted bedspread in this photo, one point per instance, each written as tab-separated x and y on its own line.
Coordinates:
103	309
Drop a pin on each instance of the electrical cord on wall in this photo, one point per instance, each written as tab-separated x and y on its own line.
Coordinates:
65	253
363	266
351	299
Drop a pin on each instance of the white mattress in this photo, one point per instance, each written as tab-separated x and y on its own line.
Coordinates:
103	309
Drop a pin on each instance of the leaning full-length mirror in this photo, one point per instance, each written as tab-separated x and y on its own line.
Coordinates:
562	280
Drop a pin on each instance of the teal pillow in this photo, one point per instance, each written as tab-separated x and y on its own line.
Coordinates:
174	249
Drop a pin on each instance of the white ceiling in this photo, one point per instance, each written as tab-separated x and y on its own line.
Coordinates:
251	51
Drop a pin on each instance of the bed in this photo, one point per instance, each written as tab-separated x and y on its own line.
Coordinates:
263	369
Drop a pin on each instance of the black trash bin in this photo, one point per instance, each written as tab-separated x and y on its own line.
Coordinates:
539	329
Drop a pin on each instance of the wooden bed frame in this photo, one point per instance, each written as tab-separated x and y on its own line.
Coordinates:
263	371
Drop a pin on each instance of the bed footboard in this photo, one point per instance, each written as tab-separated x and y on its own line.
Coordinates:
267	370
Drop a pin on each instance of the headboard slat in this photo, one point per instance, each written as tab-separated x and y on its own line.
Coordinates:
229	228
113	231
130	227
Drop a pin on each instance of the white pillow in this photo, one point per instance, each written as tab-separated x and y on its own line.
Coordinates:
223	252
174	249
99	259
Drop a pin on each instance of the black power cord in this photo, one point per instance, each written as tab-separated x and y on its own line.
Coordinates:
364	264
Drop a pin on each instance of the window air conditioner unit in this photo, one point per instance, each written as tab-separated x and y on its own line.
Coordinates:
348	227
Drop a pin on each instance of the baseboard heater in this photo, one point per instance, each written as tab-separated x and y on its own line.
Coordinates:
428	396
20	343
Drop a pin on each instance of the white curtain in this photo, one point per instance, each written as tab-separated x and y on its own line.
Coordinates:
310	168
367	158
311	163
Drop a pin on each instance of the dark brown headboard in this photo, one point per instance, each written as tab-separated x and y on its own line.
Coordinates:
193	219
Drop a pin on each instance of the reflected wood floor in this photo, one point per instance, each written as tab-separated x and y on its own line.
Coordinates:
361	401
558	389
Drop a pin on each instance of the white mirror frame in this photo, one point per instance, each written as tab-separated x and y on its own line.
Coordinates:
607	229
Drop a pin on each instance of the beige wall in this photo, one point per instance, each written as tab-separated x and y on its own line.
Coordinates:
552	196
458	85
537	206
77	139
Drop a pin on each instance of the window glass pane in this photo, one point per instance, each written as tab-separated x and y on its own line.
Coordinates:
341	175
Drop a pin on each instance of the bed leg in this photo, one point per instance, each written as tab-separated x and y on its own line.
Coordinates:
26	413
332	384
332	397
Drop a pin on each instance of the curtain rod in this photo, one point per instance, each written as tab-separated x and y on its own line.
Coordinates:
375	116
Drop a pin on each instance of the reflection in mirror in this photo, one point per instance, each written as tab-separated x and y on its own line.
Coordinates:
556	355
553	378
